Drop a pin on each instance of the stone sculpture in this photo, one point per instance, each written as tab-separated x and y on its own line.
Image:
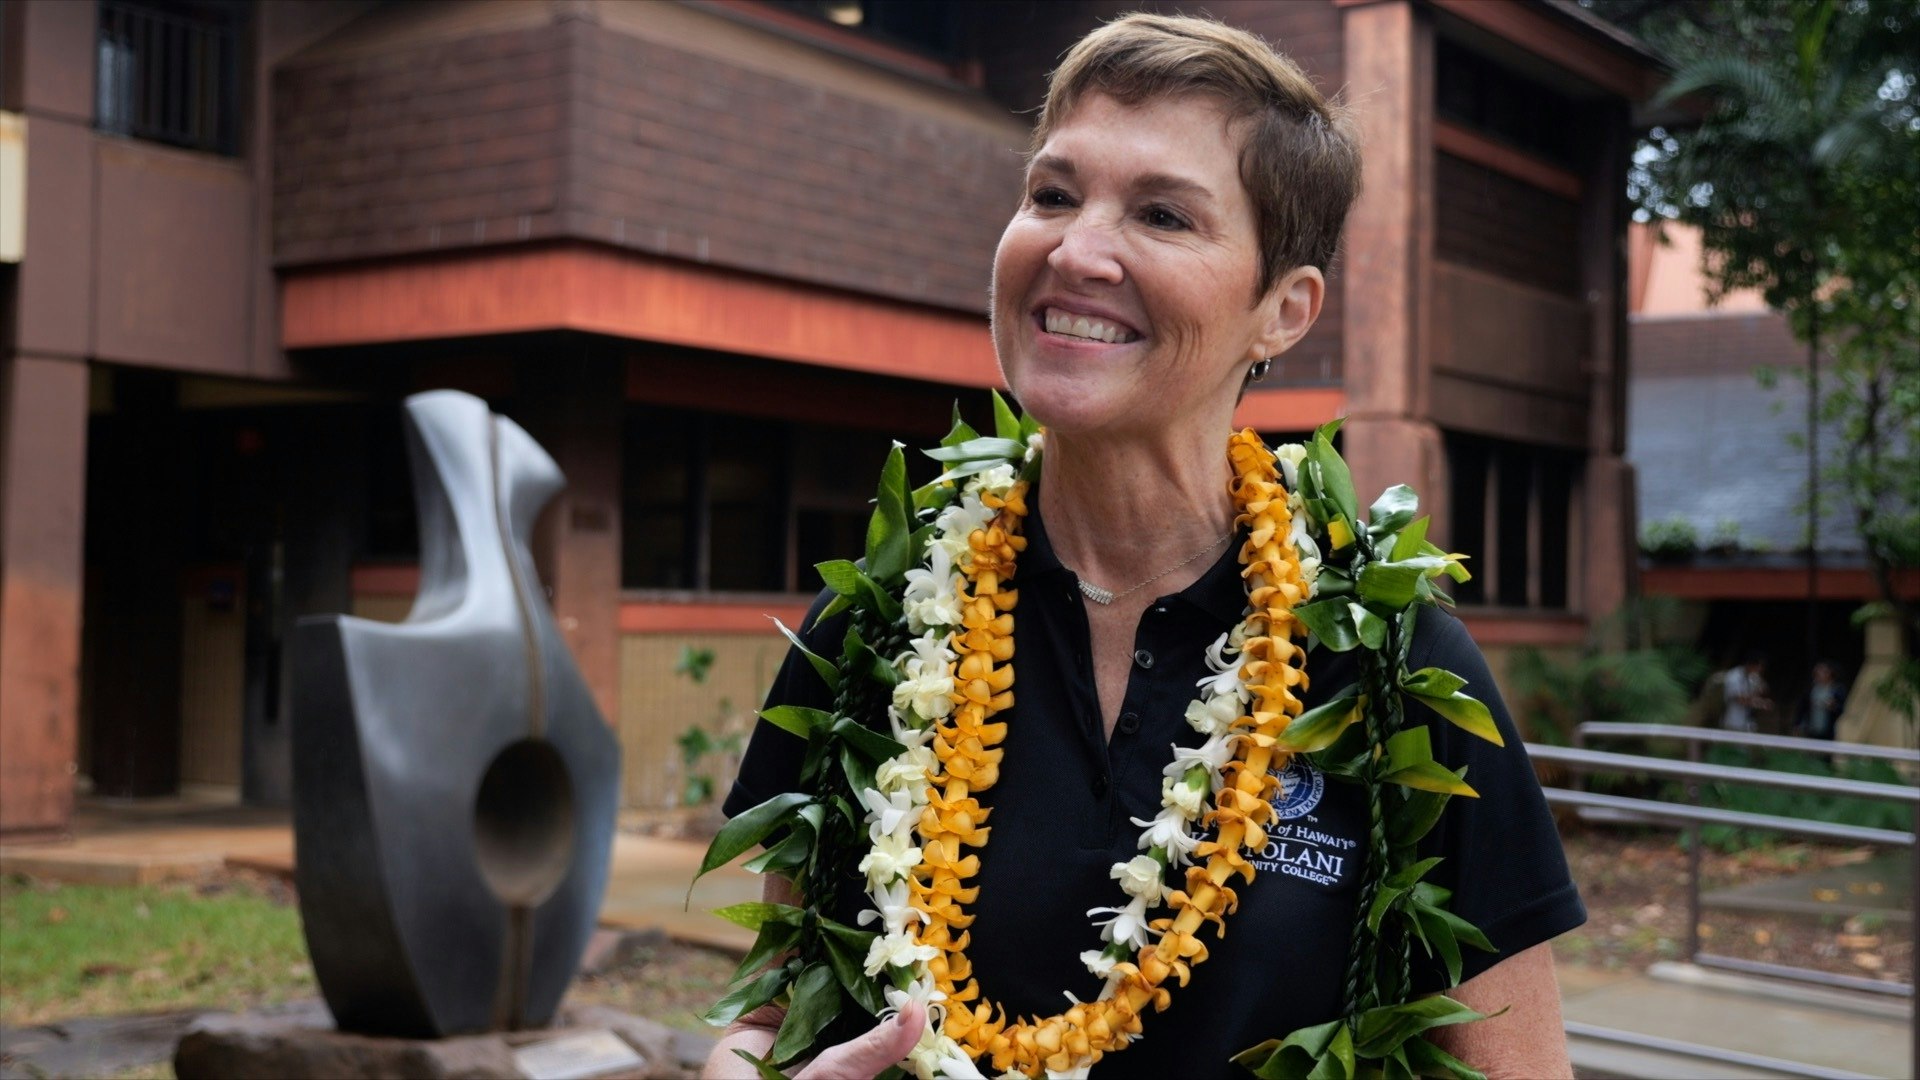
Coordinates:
454	784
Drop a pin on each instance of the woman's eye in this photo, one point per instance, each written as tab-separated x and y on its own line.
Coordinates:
1162	218
1050	197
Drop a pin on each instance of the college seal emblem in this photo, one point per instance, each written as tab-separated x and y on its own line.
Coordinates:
1301	786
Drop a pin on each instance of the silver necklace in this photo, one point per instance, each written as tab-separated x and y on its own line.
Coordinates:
1107	596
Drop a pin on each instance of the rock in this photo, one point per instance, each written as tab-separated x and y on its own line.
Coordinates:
224	1046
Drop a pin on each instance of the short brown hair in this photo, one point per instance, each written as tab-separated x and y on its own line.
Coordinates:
1301	160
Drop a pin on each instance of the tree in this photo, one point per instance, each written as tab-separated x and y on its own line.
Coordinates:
1803	177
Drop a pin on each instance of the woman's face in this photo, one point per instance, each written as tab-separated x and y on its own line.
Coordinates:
1123	288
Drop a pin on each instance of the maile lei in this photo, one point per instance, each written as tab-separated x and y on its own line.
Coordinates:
928	657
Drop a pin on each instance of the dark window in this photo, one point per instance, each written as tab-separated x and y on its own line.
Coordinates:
722	504
1482	95
931	27
170	72
1511	510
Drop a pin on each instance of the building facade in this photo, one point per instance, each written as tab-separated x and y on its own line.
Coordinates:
715	255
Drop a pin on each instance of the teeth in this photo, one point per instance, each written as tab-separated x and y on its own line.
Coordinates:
1064	322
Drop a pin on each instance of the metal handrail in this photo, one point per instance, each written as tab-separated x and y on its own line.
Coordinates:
1691	816
1752	739
1603	761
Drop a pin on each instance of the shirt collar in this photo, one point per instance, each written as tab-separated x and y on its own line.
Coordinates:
1220	592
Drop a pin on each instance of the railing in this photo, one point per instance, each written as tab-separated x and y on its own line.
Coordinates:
1690	816
170	74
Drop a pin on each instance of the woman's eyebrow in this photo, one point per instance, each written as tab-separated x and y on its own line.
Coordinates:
1165	183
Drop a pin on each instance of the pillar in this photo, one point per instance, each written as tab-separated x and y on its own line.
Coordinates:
43	445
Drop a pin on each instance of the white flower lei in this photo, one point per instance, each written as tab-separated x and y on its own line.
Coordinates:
932	606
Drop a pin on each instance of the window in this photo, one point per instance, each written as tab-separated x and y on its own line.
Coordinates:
717	504
170	72
1511	509
1482	95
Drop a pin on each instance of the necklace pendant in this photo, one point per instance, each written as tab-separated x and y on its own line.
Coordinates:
1097	594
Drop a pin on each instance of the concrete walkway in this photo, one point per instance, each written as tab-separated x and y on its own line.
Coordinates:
1846	1033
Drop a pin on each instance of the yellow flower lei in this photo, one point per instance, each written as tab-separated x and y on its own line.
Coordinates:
966	747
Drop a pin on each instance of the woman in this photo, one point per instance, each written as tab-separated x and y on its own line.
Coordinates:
1185	194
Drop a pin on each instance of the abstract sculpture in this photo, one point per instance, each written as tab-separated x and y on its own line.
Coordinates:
454	785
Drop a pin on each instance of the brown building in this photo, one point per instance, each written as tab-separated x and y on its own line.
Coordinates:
714	254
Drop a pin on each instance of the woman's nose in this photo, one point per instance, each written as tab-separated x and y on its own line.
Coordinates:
1088	251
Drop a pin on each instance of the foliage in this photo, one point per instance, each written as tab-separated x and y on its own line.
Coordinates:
77	950
1673	538
1648	682
1807	805
1804	179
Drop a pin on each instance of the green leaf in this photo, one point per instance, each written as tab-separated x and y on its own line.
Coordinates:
888	530
1454	568
1029	426
1370	628
786	856
1406	876
1382	1030
820	663
859	770
1466	713
1330	622
1432	682
933	496
775	938
1294	1057
1350	757
841	575
870	744
1005	424
961	432
880	603
1409	761
1392	510
797	719
1384	899
816	1001
1415	818
1429	1060
834	607
755	913
1336	1061
996	451
1407	544
847	953
1394	584
1318	727
744	996
1438	937
747	830
1332	481
764	1069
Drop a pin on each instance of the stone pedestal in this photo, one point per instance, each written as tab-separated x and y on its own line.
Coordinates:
304	1042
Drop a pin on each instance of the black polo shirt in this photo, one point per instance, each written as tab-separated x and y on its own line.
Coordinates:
1066	794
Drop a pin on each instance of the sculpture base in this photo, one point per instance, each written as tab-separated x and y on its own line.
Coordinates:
587	1041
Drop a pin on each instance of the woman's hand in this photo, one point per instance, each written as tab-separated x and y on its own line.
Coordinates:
855	1059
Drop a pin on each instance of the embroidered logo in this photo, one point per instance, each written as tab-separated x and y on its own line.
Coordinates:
1301	786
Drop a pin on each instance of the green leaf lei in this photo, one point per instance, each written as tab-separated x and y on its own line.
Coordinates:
1372	582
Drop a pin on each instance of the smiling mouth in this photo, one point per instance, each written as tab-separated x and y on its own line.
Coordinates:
1068	324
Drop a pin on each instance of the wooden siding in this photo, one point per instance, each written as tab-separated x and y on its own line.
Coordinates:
1508	359
656	706
1493	222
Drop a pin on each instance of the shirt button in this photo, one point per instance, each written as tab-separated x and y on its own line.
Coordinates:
1143	658
1129	723
1100	786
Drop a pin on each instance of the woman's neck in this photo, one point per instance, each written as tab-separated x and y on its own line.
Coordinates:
1118	512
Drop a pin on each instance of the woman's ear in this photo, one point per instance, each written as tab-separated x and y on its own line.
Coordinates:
1288	311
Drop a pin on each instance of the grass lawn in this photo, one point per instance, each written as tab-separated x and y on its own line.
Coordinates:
86	950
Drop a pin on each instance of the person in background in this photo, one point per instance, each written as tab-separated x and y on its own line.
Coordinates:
1826	699
1746	690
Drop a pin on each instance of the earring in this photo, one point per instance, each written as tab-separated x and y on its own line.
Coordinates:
1259	369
